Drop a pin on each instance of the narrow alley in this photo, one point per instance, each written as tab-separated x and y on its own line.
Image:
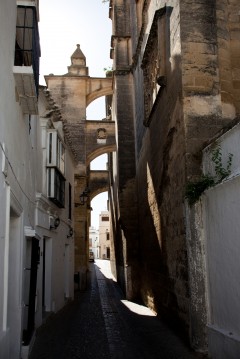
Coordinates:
99	323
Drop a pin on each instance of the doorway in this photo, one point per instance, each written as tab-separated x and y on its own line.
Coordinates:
35	258
66	271
46	276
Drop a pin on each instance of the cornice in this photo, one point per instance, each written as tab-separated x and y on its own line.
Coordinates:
152	35
123	72
141	35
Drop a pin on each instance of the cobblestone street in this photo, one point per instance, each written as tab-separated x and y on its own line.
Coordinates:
99	323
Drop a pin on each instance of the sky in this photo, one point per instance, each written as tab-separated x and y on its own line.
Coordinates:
64	24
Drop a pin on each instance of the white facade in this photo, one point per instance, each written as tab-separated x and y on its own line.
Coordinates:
104	235
218	231
94	241
57	244
36	261
221	222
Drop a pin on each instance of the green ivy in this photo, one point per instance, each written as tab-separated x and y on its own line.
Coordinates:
220	171
194	190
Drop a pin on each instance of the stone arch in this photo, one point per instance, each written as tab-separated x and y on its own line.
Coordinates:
100	151
98	93
96	110
98	191
98	182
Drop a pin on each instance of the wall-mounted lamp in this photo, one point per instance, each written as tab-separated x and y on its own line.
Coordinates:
84	196
70	232
54	222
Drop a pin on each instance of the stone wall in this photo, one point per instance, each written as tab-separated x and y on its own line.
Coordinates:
98	182
125	225
161	166
183	90
207	78
81	225
100	138
71	94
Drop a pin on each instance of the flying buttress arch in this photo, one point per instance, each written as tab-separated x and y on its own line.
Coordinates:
100	151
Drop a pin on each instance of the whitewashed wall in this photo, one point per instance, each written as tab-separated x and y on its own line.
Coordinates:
14	136
59	250
229	144
24	208
222	228
104	228
94	241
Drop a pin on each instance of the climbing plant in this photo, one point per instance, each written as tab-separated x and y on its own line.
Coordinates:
108	71
220	171
195	189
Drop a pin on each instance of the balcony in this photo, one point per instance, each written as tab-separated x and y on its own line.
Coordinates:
27	53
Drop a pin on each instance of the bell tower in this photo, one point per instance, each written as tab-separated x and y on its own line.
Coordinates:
71	94
78	64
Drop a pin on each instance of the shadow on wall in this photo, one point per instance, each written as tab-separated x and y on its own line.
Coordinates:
163	257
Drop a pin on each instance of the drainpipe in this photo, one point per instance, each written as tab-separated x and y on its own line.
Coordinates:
6	259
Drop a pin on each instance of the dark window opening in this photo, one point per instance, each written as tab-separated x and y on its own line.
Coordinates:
69	201
29	124
50	149
27	47
56	187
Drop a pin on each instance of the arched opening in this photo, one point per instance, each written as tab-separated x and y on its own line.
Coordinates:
96	111
99	163
98	204
99	244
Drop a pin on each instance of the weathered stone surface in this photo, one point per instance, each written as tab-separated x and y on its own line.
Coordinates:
72	93
98	182
198	52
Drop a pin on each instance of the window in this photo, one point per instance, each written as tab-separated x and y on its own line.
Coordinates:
60	156
56	187
56	170
69	201
105	219
27	47
107	236
56	151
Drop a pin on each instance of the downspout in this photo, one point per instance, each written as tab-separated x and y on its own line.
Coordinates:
6	259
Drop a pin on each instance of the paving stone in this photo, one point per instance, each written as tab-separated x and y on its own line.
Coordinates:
101	324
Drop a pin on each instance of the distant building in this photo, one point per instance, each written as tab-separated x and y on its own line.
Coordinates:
104	235
94	241
72	93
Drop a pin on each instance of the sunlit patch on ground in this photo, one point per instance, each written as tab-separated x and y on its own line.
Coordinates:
138	309
104	266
